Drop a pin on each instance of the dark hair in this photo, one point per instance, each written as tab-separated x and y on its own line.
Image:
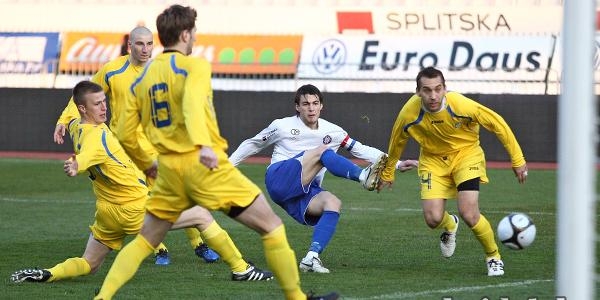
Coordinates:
308	89
84	88
173	21
430	72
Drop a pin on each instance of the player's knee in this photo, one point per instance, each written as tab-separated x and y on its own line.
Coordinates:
202	215
471	217
433	220
333	204
316	152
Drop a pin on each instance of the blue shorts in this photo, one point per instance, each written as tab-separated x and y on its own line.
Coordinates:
284	185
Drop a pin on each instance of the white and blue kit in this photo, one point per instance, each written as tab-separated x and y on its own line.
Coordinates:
291	137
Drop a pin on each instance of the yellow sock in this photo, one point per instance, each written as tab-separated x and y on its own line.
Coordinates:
193	235
447	223
161	246
72	267
484	233
124	267
282	261
218	239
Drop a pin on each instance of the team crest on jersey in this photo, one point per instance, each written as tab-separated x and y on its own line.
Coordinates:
295	131
327	139
457	124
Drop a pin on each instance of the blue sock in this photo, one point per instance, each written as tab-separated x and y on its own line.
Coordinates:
324	230
339	165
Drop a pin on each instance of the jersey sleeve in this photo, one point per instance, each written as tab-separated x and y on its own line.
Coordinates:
360	150
197	91
255	144
397	143
494	123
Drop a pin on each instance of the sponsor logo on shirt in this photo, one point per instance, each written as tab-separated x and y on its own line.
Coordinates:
269	134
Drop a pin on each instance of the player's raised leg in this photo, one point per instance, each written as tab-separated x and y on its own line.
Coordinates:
342	167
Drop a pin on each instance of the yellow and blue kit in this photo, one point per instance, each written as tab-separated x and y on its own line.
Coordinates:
173	101
449	138
118	184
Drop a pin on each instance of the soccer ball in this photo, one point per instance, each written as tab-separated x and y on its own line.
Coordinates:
516	231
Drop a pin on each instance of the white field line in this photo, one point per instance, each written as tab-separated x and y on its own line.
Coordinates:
29	200
410	295
378	209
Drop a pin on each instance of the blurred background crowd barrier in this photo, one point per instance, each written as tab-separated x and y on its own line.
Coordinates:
363	54
497	46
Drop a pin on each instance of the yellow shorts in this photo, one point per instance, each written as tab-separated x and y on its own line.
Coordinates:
440	174
115	221
183	182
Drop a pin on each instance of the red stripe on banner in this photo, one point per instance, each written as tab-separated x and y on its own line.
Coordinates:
354	20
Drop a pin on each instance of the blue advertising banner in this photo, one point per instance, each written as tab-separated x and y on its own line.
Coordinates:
28	52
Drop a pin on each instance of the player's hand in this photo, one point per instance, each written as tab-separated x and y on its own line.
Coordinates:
208	157
59	133
383	184
405	165
521	173
71	166
152	172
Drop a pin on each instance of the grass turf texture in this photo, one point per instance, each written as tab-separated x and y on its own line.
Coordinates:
382	248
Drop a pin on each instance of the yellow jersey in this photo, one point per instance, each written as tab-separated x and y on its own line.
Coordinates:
114	176
454	128
173	100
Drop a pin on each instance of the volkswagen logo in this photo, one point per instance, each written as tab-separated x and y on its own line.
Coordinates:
329	56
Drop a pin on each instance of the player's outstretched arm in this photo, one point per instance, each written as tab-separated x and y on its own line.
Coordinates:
521	173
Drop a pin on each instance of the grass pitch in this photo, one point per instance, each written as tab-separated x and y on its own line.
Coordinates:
382	248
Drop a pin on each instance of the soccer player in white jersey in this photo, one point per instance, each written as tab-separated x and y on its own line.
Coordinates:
305	147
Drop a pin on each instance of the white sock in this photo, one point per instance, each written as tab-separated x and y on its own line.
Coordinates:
363	175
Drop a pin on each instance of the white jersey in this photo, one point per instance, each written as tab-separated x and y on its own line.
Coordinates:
290	136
